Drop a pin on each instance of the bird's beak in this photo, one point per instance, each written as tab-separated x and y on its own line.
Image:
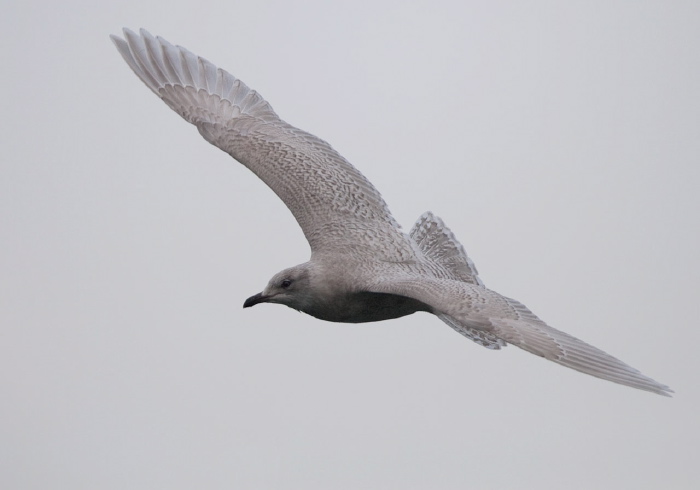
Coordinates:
254	300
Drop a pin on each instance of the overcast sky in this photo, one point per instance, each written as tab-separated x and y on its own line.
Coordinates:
558	140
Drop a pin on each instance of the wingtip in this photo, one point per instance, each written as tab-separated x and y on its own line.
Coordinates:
121	40
655	387
666	391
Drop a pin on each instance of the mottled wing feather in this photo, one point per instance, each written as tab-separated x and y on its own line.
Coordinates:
478	308
335	205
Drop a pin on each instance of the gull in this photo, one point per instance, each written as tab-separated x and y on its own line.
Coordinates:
363	267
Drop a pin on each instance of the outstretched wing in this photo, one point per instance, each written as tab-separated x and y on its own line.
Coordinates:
335	205
480	336
476	308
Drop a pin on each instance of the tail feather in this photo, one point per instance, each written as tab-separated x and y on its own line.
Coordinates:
440	246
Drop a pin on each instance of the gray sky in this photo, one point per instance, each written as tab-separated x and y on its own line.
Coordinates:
558	140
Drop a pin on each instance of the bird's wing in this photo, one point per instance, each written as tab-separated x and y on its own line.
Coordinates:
335	205
477	335
476	308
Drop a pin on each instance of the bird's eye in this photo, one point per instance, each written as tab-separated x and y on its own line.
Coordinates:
286	283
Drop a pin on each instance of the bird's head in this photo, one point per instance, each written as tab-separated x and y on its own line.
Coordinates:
291	287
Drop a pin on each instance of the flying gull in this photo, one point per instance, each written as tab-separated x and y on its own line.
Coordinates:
363	268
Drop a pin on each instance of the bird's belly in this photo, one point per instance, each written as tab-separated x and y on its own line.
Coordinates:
368	307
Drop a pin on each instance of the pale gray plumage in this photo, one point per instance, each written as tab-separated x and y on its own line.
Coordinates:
363	268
